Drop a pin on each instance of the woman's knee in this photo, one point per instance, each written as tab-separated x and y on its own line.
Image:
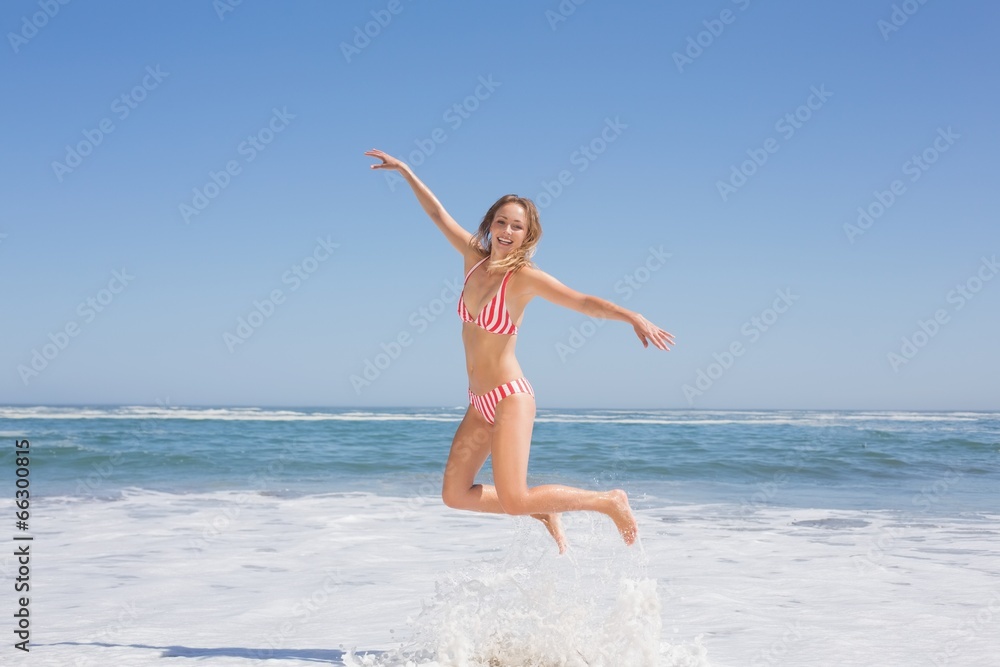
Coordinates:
452	497
513	501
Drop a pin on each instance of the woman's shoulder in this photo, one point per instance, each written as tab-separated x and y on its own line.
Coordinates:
473	255
529	279
531	272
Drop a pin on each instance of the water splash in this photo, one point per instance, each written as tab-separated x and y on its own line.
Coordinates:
594	607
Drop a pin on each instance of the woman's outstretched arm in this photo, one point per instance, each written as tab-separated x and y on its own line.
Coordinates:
539	283
454	232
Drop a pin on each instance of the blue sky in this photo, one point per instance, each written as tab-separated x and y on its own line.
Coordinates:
171	169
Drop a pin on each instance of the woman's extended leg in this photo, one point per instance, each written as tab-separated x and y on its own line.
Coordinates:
469	450
515	416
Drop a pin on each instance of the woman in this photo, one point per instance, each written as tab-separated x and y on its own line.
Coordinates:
499	282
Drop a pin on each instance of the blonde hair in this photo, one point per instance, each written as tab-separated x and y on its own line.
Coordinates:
482	240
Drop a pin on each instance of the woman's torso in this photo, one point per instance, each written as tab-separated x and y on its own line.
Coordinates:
489	357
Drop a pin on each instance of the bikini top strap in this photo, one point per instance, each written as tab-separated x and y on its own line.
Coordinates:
475	267
503	284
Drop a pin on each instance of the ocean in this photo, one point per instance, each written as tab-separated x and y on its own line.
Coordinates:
297	536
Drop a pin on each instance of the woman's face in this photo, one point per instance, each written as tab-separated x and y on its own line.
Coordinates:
508	228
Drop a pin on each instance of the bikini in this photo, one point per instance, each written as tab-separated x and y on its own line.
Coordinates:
494	318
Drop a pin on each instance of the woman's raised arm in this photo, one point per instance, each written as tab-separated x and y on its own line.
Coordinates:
454	232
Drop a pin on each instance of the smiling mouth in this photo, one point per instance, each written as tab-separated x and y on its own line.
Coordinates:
504	241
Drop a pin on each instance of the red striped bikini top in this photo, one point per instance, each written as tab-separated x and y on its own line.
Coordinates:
494	316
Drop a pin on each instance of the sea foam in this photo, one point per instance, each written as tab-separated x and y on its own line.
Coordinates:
594	607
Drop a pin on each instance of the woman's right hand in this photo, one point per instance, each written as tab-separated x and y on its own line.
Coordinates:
458	237
388	161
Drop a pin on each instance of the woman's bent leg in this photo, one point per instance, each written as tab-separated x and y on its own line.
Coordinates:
469	450
511	445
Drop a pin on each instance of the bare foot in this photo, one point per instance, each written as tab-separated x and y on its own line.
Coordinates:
621	514
554	525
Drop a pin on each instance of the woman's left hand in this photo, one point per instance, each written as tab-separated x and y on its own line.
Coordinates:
647	331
